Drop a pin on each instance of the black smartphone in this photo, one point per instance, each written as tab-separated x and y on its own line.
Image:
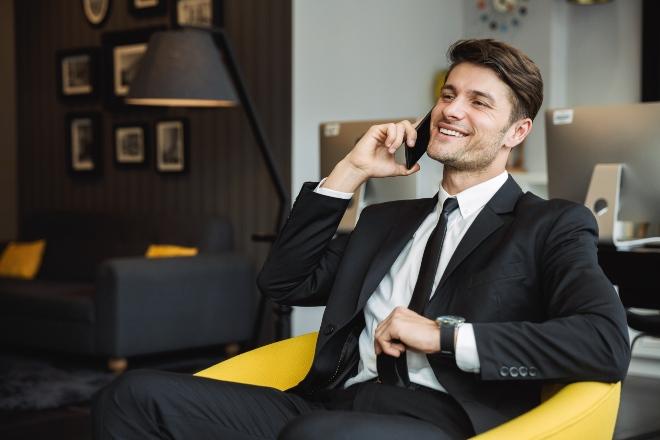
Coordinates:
423	137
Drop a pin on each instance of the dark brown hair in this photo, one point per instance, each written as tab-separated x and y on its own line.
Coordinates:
510	65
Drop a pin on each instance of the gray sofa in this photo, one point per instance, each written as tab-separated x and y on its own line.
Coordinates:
95	294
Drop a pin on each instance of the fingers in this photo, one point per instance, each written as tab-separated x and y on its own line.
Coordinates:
404	329
386	335
391	134
397	133
398	140
390	348
411	133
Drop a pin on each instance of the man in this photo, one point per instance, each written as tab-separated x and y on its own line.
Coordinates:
513	279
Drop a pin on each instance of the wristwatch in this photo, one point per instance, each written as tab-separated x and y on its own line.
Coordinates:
448	325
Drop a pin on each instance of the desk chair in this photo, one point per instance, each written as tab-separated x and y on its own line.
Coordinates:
582	410
646	324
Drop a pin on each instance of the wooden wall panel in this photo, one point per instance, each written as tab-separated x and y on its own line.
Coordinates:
226	174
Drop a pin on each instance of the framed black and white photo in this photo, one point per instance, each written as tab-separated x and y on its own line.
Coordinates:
77	73
143	8
96	11
122	53
199	13
130	144
171	146
83	142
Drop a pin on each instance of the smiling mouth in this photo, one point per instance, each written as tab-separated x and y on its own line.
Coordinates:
452	133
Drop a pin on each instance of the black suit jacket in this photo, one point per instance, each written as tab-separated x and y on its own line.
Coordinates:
525	275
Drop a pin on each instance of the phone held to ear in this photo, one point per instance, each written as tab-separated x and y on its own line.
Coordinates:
414	153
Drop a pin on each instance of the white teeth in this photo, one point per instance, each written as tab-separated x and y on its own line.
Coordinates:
451	132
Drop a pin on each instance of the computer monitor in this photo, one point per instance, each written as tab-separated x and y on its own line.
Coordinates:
579	138
337	139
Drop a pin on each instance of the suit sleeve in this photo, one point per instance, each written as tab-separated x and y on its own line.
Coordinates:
303	261
585	336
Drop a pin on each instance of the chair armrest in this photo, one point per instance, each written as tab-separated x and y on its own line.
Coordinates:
280	365
584	410
151	305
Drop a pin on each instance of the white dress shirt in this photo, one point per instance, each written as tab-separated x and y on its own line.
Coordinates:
397	286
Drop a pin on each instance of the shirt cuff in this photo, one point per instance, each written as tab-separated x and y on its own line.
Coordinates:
331	192
467	358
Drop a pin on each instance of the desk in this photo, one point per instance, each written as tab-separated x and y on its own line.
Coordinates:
635	272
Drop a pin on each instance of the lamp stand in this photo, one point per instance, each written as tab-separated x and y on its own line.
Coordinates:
283	313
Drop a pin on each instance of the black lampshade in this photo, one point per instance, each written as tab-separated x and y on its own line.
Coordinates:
182	68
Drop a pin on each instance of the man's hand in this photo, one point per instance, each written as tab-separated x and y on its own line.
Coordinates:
373	156
404	329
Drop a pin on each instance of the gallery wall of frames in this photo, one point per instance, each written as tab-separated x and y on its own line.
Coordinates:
81	148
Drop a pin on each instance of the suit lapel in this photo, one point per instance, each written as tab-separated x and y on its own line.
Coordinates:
399	234
488	221
485	224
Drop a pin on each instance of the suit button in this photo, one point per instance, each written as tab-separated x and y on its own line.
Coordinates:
522	371
532	371
513	371
504	371
328	329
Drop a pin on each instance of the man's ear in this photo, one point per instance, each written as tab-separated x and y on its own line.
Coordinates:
518	132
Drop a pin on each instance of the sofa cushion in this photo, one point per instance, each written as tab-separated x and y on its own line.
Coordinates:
47	299
22	259
169	250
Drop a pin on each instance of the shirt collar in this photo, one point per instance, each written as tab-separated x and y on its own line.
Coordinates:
475	197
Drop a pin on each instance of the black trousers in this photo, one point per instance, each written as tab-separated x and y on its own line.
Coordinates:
158	405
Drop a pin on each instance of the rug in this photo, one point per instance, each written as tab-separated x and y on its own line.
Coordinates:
29	383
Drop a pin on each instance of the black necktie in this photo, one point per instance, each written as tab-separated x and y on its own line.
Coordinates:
394	371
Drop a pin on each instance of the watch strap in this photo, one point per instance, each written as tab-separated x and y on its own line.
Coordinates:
447	335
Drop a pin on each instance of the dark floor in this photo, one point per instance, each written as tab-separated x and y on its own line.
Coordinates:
639	417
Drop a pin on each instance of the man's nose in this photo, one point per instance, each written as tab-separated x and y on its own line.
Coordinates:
454	110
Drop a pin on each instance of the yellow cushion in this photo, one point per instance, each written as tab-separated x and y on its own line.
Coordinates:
22	260
168	250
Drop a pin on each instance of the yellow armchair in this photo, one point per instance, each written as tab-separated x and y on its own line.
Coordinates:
576	411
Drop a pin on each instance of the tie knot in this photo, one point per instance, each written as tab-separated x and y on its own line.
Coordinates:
449	205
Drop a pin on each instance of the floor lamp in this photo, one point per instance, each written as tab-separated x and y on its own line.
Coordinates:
184	68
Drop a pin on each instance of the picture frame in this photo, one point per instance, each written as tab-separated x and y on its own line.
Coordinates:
130	144
78	73
122	52
147	8
83	143
96	11
171	149
198	13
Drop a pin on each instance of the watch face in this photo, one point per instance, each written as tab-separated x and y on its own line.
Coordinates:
450	320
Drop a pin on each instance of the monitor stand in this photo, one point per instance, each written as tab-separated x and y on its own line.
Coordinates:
603	199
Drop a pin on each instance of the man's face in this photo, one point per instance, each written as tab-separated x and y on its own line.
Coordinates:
470	123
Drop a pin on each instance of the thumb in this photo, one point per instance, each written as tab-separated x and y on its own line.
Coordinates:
403	171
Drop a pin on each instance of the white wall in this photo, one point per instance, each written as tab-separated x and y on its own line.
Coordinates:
365	59
587	55
604	54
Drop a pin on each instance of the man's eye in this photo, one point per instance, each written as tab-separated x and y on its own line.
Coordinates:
480	104
447	97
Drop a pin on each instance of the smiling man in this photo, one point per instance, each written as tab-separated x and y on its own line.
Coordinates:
444	317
